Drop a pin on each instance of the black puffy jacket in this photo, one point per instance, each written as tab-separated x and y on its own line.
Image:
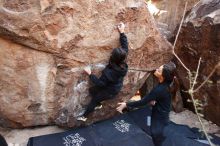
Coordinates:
111	80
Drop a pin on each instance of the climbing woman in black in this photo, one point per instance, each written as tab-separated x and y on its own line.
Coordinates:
111	80
161	94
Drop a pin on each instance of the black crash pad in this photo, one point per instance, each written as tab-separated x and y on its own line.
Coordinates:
129	129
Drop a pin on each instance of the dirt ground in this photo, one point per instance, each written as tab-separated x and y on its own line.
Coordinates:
19	137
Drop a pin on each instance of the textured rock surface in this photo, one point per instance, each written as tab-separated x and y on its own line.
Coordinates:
45	44
168	20
200	37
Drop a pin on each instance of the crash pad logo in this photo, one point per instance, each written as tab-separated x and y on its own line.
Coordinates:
73	140
122	126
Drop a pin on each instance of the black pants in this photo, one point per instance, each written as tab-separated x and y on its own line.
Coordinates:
3	141
158	124
97	97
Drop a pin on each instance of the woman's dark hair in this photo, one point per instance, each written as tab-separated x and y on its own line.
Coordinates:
118	56
169	71
169	75
3	141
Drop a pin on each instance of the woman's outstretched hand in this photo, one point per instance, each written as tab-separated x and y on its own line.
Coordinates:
88	70
152	103
121	106
121	27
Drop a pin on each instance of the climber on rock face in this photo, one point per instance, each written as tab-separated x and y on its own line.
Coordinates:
111	81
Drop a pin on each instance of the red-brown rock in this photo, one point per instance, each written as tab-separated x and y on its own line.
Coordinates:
45	44
200	37
170	14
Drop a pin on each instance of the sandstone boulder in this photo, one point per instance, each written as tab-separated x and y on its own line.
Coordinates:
200	37
170	13
45	44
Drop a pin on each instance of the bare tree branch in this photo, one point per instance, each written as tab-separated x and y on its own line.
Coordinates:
203	83
141	70
174	45
197	73
200	120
